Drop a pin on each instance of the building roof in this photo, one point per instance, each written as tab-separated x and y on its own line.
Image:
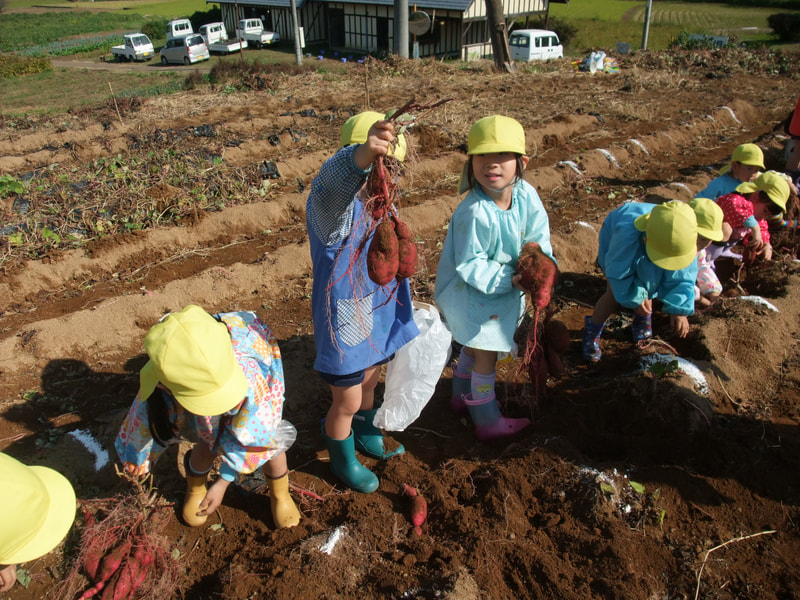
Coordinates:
459	5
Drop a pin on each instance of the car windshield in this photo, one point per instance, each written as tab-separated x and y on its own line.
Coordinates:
140	40
194	40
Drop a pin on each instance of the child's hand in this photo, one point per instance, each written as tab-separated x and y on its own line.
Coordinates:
645	308
379	142
515	282
679	324
213	497
8	576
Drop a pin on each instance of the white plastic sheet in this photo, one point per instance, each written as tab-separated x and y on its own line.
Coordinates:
412	374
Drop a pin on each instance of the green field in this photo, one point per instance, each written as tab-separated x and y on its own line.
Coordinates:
603	24
88	29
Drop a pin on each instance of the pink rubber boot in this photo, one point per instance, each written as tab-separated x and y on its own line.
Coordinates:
489	423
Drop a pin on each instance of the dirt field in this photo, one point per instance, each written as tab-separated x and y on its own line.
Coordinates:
551	514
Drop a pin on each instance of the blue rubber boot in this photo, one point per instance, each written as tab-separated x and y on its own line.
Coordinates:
489	423
346	467
368	438
461	387
642	328
591	340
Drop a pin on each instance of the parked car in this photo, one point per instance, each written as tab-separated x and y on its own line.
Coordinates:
534	44
178	28
252	30
137	46
186	50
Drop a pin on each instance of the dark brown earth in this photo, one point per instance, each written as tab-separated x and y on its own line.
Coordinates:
551	514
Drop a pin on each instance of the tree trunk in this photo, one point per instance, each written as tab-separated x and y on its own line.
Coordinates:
498	34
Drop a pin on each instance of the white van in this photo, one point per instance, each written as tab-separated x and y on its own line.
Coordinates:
178	28
534	44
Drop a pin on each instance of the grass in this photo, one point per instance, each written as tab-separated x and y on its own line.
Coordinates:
63	90
172	9
603	24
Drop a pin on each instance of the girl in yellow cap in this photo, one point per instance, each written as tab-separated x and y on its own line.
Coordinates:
709	216
37	508
477	288
745	165
358	325
746	216
218	380
646	251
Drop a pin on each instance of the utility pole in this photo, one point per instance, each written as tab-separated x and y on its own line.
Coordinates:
401	28
646	24
298	51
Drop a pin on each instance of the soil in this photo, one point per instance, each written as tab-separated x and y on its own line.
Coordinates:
631	482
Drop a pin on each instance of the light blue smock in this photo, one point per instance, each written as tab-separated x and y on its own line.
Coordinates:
632	275
473	282
719	186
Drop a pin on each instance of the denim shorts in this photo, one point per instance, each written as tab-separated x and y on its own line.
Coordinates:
350	379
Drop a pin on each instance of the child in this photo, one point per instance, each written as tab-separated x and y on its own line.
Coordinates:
218	379
477	288
37	509
358	325
646	251
746	212
745	164
709	229
793	160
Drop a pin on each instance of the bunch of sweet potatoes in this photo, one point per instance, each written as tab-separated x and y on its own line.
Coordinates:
392	253
547	339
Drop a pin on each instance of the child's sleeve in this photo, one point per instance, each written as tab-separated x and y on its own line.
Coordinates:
537	226
473	235
676	291
779	222
134	444
329	209
248	437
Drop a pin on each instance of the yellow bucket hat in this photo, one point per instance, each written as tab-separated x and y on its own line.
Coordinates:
496	134
671	235
772	184
356	128
192	356
36	510
747	154
709	218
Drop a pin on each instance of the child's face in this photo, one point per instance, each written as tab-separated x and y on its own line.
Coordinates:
744	173
761	207
496	171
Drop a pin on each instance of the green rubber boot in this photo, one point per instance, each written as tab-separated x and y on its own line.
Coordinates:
346	467
368	438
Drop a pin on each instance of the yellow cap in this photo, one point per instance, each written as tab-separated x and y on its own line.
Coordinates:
356	129
772	184
496	134
37	509
709	218
747	154
671	235
192	356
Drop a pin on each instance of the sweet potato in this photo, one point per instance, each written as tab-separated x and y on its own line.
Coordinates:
419	507
407	256
402	230
538	274
110	588
383	256
123	587
91	562
140	567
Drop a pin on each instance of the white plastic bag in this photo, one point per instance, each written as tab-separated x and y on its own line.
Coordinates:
412	374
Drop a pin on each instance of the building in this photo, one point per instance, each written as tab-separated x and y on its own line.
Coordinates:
455	28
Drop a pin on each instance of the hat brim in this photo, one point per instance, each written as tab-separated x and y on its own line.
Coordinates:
58	521
748	187
670	263
641	222
710	234
221	401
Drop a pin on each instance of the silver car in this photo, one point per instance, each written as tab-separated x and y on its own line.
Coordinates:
186	50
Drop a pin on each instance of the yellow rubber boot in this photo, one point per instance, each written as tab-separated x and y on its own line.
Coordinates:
284	511
195	492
